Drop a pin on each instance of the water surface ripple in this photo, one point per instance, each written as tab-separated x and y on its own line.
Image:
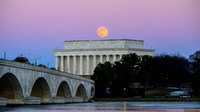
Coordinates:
107	107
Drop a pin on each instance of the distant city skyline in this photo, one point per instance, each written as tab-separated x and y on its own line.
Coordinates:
34	28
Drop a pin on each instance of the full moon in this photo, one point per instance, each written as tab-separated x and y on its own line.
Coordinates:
102	32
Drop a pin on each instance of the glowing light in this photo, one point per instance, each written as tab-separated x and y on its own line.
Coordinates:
102	32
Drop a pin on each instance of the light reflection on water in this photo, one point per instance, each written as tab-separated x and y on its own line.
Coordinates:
107	107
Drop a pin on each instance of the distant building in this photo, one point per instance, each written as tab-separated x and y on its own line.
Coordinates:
81	56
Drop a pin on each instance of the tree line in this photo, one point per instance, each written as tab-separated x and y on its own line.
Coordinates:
25	60
115	80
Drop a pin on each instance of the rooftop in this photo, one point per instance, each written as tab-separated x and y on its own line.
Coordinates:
104	43
104	40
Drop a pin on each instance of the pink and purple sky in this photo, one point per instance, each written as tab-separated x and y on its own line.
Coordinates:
35	27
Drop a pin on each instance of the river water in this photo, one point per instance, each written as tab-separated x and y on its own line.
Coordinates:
107	107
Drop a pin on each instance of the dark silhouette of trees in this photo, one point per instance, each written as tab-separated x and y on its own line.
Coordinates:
171	70
195	62
164	70
102	77
195	69
158	72
125	71
146	71
21	59
130	66
52	68
41	65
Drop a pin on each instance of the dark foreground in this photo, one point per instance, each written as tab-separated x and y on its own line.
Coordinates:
154	99
107	107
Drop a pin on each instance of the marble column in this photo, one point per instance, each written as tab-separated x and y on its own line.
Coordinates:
114	58
87	65
74	64
62	64
94	61
107	58
56	62
81	65
68	64
65	63
59	68
101	58
120	56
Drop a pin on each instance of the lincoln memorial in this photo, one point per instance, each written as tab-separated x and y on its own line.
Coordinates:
81	56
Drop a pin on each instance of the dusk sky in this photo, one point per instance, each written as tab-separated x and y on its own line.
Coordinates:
35	27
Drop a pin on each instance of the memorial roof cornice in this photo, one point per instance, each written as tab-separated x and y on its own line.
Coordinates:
108	49
103	40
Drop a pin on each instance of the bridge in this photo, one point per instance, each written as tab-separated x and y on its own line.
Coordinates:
22	83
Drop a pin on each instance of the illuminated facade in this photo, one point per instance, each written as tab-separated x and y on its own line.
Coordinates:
81	56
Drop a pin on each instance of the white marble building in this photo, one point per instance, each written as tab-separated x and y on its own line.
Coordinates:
81	56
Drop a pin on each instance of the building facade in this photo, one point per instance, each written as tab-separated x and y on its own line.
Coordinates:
81	56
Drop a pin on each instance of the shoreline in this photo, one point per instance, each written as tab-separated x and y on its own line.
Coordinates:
143	100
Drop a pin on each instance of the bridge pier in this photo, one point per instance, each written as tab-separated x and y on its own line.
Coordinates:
77	99
68	100
2	101
46	101
59	100
14	101
32	100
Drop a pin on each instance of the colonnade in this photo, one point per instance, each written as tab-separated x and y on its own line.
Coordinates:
82	64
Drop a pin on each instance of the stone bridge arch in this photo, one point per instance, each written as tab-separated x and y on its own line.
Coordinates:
41	89
11	89
64	90
81	92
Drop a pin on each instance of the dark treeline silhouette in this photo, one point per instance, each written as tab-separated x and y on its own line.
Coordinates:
21	59
41	65
25	60
195	70
161	71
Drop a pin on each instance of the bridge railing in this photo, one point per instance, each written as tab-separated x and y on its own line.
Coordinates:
40	69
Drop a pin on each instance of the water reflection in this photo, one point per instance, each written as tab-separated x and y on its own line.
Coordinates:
107	107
